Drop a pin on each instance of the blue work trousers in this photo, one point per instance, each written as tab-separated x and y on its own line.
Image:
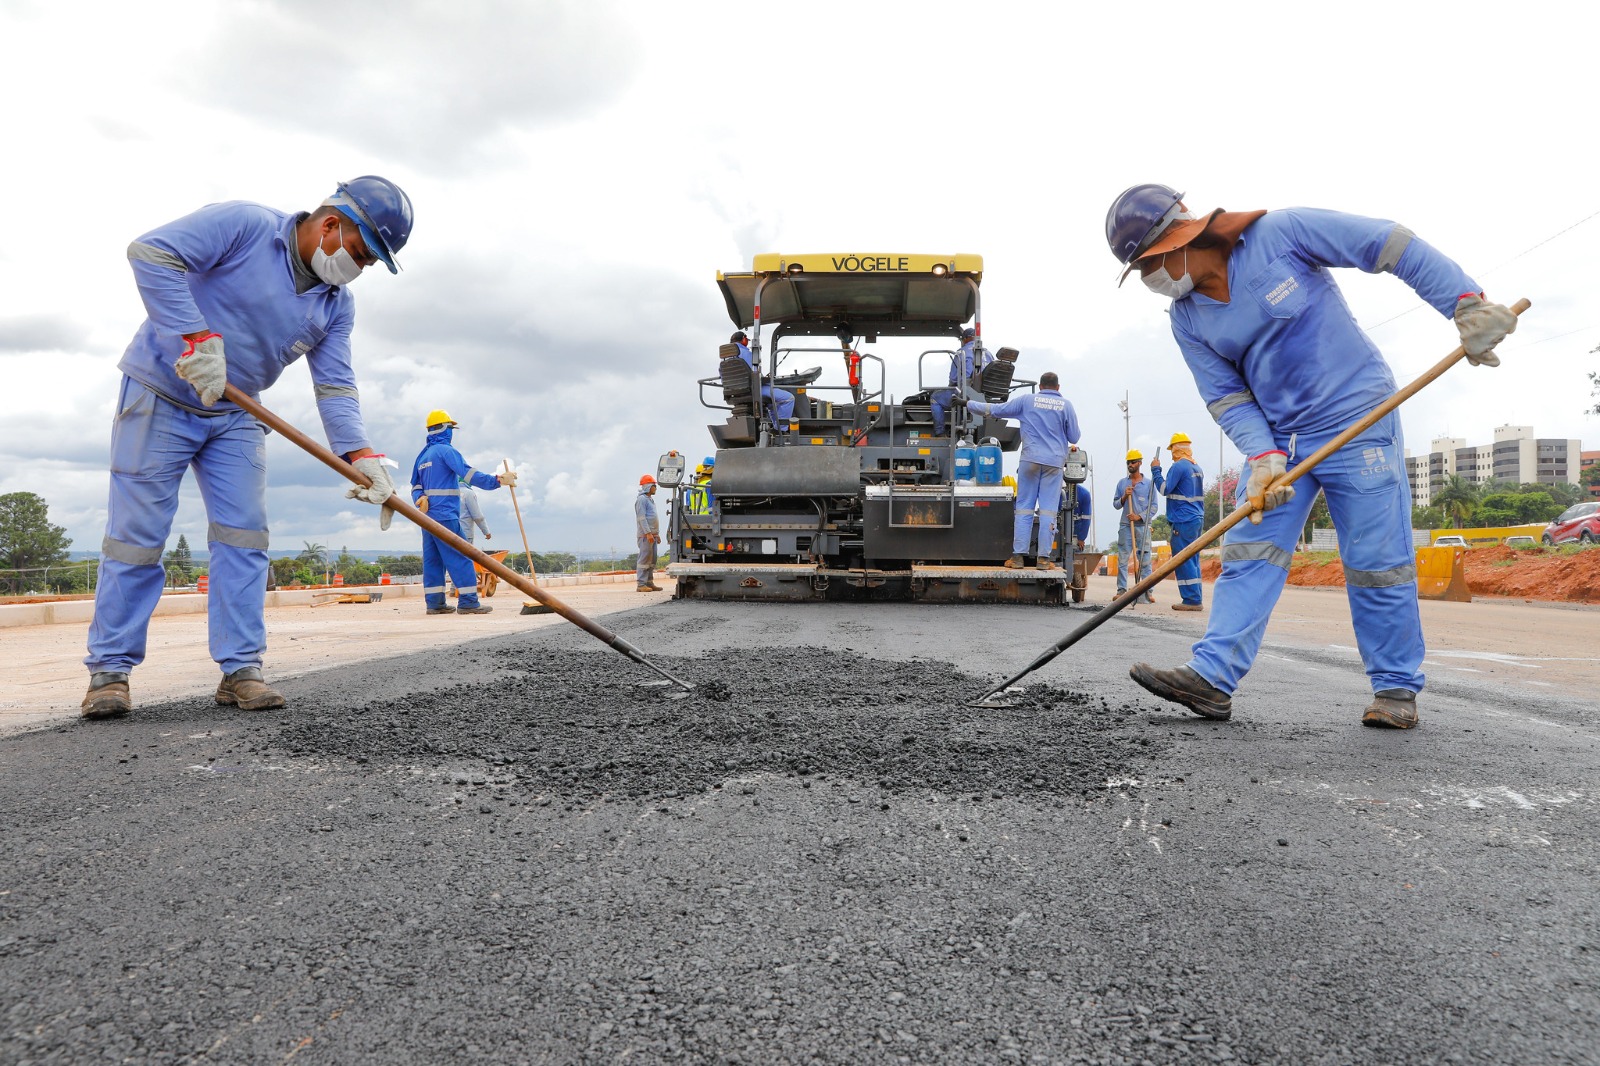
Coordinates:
940	403
1367	492
152	443
1037	486
437	558
645	568
782	405
1133	554
1183	535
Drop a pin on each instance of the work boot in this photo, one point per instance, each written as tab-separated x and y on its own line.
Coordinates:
1188	607
244	689
446	609
652	587
107	696
1183	685
477	608
1047	564
1393	708
1016	562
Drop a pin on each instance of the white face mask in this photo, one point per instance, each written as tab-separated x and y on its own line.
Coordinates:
340	268
1161	283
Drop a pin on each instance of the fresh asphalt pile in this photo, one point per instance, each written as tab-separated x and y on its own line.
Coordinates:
570	723
522	851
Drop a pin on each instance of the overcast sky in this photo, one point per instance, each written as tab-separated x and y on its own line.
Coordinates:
581	171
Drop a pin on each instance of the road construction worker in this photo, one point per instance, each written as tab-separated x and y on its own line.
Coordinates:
1081	516
436	480
1136	497
1185	490
963	364
647	530
1049	428
1284	367
233	293
782	400
698	499
472	514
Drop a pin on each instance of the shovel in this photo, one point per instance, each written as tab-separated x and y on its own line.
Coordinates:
527	608
1238	515
405	507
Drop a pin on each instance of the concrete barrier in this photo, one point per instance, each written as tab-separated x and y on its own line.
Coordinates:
1442	574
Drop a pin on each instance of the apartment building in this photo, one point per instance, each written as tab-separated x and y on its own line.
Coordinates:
1514	455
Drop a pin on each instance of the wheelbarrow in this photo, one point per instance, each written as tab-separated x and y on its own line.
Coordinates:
487	582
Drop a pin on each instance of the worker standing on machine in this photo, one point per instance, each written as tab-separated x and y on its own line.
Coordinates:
1049	428
436	479
963	364
647	529
1136	496
698	499
1185	491
274	287
782	400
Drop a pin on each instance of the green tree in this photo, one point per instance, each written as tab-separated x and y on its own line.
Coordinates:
1590	478
1319	517
1427	518
180	561
314	556
284	571
1457	498
1160	529
400	565
27	539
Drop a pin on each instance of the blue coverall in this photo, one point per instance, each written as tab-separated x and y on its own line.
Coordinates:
1049	425
438	474
232	268
1080	517
782	400
1283	366
1185	490
1133	538
962	366
644	525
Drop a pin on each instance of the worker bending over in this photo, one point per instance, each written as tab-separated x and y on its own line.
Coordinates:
1049	428
436	480
233	293
1136	498
647	531
1283	367
1186	511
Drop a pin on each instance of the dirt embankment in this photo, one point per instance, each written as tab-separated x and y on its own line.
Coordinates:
1570	576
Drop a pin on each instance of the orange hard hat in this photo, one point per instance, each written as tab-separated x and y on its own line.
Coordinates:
647	480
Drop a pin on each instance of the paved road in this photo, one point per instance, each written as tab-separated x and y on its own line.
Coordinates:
519	853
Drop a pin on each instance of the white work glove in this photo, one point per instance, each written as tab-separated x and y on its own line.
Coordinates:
379	491
203	365
1265	469
1483	325
507	477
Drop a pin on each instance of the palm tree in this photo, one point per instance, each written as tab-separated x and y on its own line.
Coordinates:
1457	497
314	557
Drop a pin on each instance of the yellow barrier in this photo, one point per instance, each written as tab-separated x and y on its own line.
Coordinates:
1485	536
1442	574
1111	565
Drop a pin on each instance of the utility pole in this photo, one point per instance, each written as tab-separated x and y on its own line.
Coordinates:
1127	438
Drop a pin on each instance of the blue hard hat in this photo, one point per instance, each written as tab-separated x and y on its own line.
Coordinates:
1137	218
968	332
381	211
710	460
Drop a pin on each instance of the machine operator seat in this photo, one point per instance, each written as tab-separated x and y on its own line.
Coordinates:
741	390
994	380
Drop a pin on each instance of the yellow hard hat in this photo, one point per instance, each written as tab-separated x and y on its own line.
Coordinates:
439	418
1178	438
1135	454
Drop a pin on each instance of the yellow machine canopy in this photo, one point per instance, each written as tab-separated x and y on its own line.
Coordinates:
862	292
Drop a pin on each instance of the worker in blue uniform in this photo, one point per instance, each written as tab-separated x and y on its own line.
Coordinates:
1135	496
647	534
963	364
698	498
1185	491
782	400
233	294
1082	515
436	480
472	515
1049	428
1283	367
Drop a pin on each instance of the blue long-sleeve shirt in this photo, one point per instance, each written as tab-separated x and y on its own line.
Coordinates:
227	268
1144	498
1049	423
966	361
644	515
1285	355
1080	517
1184	487
438	473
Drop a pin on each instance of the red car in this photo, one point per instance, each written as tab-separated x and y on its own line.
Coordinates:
1580	522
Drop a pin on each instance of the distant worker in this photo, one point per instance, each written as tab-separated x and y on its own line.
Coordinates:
782	401
1136	498
698	499
472	515
1186	513
963	364
1284	367
1049	428
274	287
648	531
1081	516
436	479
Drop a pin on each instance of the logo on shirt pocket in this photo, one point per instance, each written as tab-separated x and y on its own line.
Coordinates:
1280	289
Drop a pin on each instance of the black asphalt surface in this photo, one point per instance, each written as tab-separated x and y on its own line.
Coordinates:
522	852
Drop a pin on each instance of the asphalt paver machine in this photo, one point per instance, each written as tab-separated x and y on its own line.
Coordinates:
855	496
